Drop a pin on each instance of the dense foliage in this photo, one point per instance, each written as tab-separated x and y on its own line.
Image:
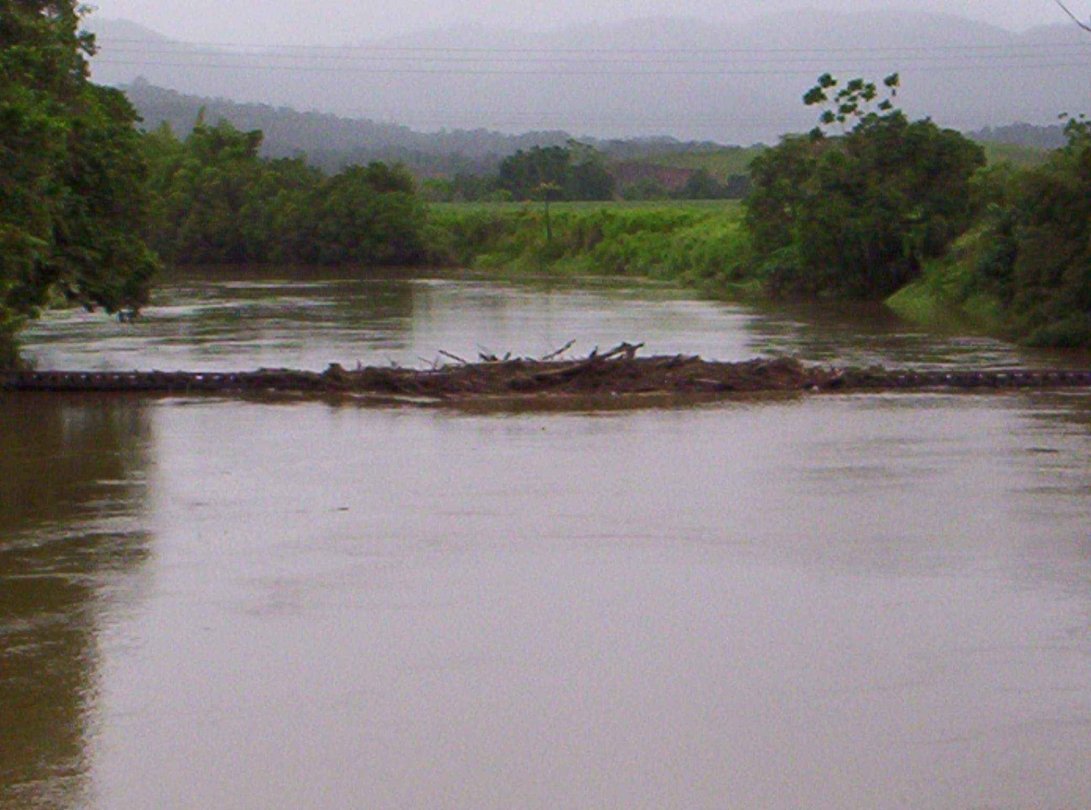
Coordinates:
216	201
573	172
1038	256
72	187
857	215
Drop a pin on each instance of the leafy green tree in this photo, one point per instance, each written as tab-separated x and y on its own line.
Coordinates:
366	215
202	191
525	171
71	177
857	214
577	170
587	177
219	202
1039	257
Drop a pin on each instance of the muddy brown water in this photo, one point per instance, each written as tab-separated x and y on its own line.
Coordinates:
856	601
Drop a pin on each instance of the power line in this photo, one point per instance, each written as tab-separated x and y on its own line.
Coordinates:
261	49
724	72
1075	19
823	59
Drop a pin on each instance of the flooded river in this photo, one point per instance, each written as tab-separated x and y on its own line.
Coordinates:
873	601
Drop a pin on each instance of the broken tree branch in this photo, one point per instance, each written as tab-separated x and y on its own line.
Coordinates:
559	352
454	357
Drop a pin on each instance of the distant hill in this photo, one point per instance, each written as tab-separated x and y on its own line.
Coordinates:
684	78
331	141
1039	137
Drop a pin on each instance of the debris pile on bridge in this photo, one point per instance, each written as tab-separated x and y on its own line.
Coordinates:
617	372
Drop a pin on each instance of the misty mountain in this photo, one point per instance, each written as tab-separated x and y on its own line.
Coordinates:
680	77
332	142
1039	137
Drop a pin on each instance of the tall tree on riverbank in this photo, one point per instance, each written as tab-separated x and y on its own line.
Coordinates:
72	195
1038	256
857	213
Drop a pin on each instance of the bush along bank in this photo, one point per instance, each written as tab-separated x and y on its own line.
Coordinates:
1025	269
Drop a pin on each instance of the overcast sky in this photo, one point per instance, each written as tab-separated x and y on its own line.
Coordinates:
344	21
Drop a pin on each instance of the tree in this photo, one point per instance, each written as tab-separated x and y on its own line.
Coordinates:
857	214
72	194
1039	261
366	215
577	170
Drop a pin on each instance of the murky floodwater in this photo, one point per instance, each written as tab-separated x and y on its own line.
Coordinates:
832	602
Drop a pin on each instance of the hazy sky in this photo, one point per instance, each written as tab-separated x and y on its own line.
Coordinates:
341	21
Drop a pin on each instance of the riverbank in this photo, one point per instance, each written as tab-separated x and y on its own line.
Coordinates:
699	245
705	246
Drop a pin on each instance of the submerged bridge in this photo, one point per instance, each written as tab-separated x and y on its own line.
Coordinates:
163	381
617	372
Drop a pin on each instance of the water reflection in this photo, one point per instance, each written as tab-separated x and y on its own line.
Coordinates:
220	318
215	319
71	485
864	334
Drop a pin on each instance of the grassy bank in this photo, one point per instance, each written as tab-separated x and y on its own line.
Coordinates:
701	245
698	244
949	292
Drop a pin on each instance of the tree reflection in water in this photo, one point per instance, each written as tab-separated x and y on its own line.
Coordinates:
71	494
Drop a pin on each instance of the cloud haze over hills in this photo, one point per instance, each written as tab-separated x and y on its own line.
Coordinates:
689	78
338	22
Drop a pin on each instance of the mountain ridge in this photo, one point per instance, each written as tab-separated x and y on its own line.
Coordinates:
681	77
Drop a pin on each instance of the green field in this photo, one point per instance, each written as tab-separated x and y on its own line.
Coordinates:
700	244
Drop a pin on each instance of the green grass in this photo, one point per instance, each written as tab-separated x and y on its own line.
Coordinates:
699	244
949	293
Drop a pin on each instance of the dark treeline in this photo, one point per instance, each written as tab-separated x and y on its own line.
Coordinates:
580	172
214	200
450	165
